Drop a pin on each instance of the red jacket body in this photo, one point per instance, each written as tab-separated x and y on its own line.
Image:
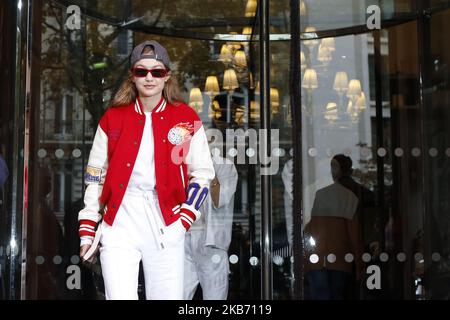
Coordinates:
182	160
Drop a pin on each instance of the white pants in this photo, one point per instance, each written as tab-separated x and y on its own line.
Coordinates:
139	233
204	265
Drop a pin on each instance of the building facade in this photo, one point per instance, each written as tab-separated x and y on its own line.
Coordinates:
286	86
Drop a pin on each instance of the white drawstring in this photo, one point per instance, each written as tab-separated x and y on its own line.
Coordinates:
157	228
150	201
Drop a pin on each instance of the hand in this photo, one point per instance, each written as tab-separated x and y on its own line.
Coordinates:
83	249
93	258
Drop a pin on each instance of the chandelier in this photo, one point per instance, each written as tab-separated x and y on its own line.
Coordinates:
318	55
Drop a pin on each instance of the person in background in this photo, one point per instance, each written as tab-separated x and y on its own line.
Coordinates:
148	174
208	240
333	232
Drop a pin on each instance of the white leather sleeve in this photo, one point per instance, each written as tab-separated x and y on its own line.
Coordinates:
200	172
200	167
94	178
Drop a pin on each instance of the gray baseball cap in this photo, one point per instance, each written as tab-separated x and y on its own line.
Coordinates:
160	53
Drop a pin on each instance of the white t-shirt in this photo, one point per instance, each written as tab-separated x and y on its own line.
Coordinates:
143	175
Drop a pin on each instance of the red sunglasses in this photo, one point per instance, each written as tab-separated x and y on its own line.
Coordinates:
156	73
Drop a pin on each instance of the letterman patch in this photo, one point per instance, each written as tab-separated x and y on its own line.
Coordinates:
180	133
93	174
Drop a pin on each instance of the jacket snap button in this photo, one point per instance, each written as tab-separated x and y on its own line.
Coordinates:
135	142
113	205
162	118
128	164
121	185
164	140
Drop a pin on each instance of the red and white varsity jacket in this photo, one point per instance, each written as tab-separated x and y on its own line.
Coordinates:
183	165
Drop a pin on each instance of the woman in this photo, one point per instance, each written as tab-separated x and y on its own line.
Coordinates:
148	174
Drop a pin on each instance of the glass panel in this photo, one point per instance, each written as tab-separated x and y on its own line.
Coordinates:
337	114
436	161
208	17
11	148
74	88
13	145
380	98
439	3
392	241
281	130
218	17
331	15
80	72
253	114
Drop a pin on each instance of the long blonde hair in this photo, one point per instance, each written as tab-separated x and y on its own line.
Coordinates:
128	93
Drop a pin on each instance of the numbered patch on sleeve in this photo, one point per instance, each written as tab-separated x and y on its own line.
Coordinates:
196	195
93	174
